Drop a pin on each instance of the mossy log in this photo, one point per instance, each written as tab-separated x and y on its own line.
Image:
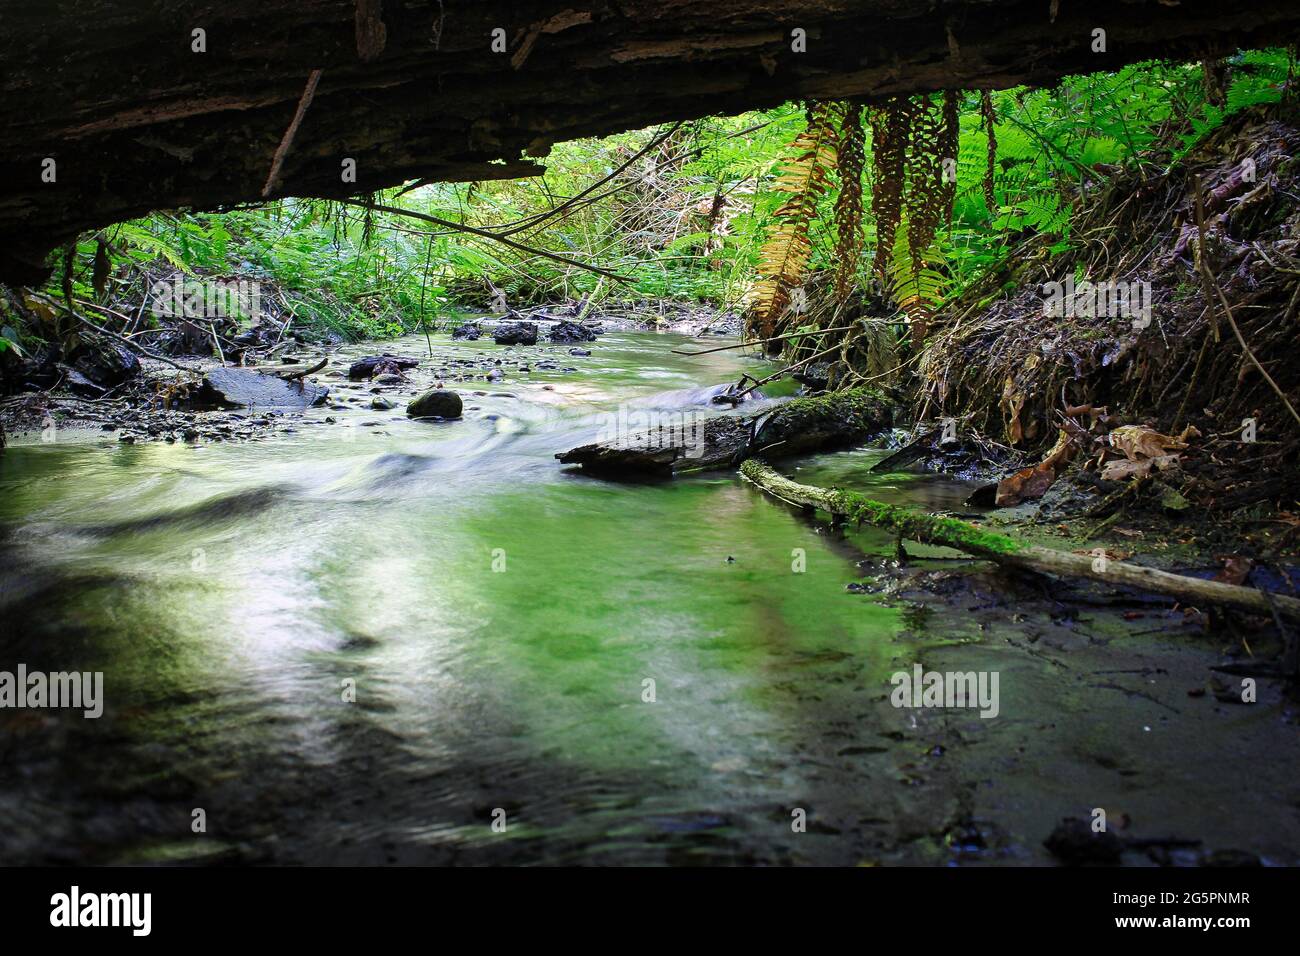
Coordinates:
1006	551
681	441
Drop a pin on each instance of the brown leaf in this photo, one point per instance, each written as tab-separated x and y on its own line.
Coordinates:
1033	482
1138	442
1122	469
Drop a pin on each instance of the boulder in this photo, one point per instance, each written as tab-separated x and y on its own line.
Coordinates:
567	331
436	403
78	384
515	333
244	388
470	331
107	364
368	366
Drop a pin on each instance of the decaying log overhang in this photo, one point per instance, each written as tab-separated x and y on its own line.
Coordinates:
135	119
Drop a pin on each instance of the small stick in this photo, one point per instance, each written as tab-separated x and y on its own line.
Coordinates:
785	371
1208	278
282	151
288	322
775	338
221	353
307	371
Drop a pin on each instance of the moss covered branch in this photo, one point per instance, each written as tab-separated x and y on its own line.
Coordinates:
969	539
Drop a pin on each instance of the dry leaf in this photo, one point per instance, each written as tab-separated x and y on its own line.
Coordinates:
1033	482
1138	442
1122	469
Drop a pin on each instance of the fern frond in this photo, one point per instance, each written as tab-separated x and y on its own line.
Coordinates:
783	260
848	204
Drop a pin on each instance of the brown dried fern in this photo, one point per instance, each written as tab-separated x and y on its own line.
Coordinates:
805	177
891	130
848	204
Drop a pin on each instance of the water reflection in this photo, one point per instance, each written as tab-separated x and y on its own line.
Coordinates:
498	622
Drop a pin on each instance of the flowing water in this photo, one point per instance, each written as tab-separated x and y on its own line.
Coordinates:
629	673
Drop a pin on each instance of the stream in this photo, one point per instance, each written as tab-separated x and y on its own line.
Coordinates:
378	640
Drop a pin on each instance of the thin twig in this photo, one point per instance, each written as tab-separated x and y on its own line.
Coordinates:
775	338
307	371
785	371
1211	284
484	234
272	180
530	221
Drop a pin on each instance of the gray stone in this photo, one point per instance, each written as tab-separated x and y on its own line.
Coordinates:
436	403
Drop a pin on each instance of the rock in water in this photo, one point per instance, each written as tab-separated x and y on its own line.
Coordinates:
467	330
515	333
816	377
366	367
435	403
243	388
567	331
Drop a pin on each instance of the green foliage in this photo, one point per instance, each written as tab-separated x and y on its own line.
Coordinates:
915	284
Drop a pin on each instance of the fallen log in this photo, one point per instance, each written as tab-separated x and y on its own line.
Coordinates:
432	99
1006	551
676	442
918	448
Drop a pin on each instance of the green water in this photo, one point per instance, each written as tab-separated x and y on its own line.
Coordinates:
499	617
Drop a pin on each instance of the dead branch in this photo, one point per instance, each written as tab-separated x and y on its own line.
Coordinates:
1008	552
